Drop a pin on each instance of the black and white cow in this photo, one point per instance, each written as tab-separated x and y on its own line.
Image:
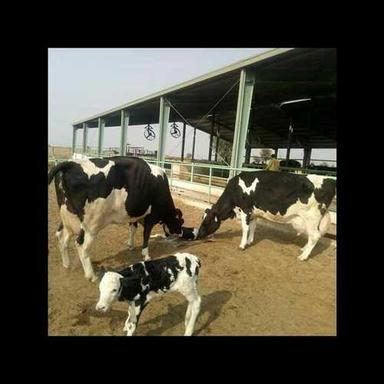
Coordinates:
140	282
299	200
96	192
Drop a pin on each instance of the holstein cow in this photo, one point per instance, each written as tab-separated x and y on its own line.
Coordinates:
94	193
140	282
300	200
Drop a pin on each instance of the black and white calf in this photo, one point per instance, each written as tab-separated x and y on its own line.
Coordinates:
299	200
140	282
94	193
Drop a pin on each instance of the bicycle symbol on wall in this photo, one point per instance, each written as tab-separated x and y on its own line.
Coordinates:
175	131
149	133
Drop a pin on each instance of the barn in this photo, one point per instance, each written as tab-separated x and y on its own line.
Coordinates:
282	99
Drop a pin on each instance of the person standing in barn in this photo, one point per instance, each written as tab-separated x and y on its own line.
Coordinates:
273	164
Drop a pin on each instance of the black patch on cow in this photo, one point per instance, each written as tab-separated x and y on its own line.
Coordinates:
275	192
80	237
132	174
60	227
130	287
322	209
60	194
326	193
188	233
188	266
100	163
158	278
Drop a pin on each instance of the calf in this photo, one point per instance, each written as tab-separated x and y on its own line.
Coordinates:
97	192
140	282
300	200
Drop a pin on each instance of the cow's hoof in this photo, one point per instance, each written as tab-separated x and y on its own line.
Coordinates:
66	265
241	248
130	248
93	278
302	258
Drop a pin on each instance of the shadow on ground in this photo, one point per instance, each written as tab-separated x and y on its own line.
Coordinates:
211	303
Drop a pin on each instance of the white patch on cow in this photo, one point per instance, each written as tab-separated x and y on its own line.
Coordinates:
69	219
156	170
249	189
110	210
195	232
316	180
245	228
145	253
305	217
109	289
204	216
90	168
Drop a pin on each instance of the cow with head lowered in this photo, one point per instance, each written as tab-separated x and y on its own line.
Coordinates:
299	200
94	193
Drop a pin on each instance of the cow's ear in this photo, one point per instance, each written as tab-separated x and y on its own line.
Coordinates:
128	287
206	210
179	214
102	272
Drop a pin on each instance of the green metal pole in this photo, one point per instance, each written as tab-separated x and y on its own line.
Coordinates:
85	137
244	102
193	144
183	143
101	125
209	184
192	173
124	127
163	124
74	134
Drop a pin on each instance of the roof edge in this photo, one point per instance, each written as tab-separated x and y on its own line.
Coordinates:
217	72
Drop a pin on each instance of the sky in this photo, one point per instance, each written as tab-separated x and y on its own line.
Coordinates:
84	82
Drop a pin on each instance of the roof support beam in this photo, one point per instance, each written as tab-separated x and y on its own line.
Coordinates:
74	136
163	124
183	142
244	101
124	127
193	143
101	125
211	138
85	137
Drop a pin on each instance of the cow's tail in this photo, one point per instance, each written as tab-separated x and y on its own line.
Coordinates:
58	168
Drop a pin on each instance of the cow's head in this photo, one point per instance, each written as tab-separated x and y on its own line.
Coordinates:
209	225
110	288
173	224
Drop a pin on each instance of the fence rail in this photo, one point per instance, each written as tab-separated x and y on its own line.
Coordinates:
209	176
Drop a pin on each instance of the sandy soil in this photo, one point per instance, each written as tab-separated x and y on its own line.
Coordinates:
261	291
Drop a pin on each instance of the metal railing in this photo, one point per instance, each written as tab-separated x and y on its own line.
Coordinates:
209	176
192	173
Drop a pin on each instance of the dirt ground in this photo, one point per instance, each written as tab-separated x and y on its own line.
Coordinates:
262	291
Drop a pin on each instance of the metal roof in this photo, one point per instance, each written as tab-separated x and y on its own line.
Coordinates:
282	74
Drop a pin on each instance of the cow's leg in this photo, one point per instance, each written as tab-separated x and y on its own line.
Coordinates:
251	232
148	225
64	235
193	310
245	221
131	239
134	311
83	244
130	323
313	237
324	224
